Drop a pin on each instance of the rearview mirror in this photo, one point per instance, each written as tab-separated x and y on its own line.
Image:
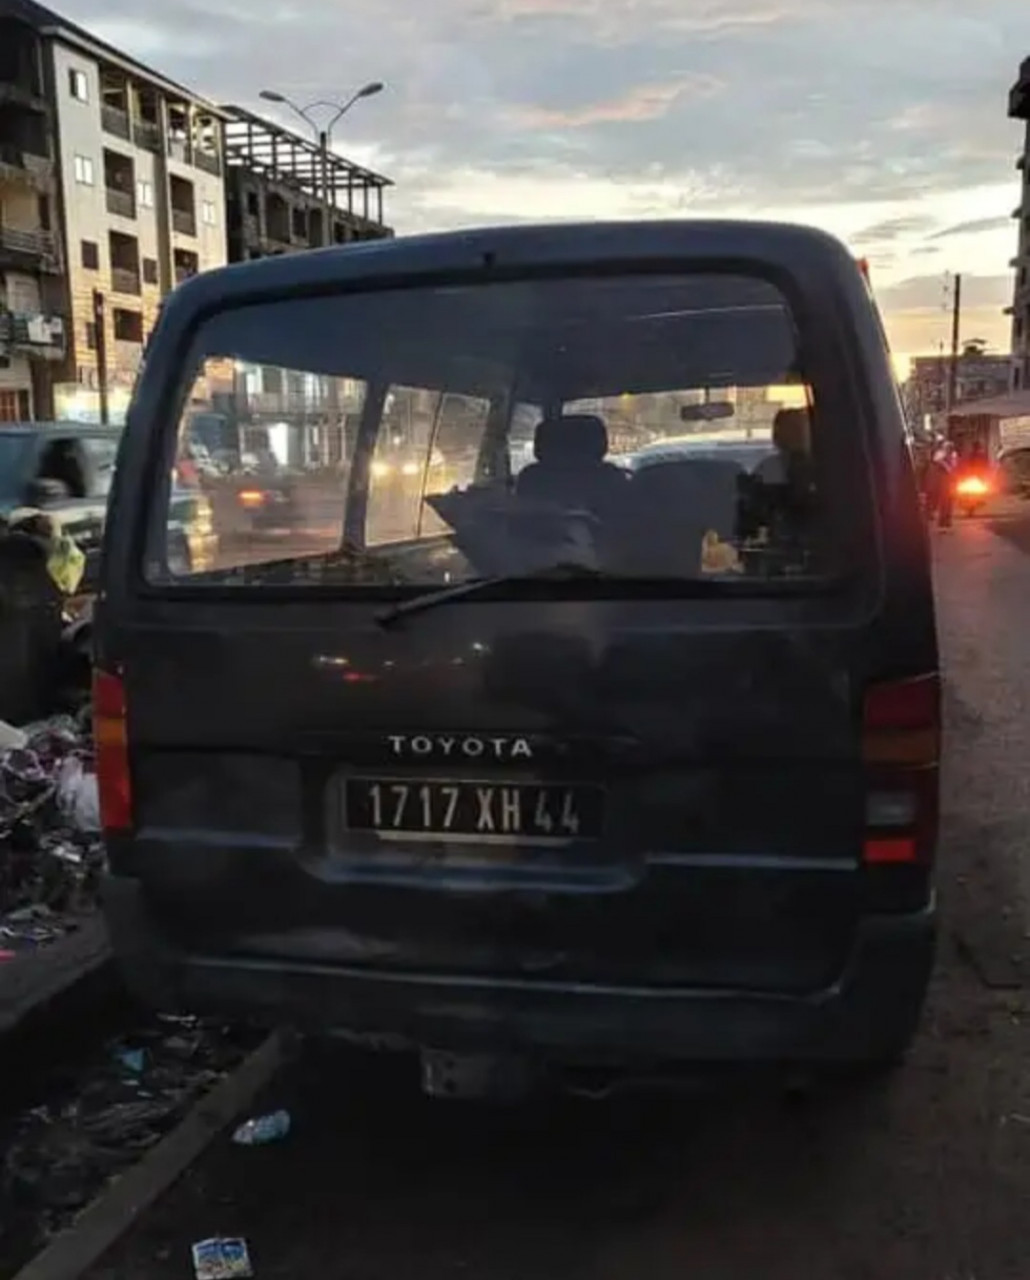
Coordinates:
710	412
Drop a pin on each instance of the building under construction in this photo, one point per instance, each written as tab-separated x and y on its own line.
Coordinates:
285	192
1019	109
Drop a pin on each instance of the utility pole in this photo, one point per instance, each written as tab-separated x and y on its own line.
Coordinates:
100	330
327	202
956	317
334	427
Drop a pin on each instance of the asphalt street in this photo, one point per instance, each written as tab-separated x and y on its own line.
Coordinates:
926	1178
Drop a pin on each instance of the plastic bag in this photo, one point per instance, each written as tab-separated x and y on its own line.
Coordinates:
77	796
66	563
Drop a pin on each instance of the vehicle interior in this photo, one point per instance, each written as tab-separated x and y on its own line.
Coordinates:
462	486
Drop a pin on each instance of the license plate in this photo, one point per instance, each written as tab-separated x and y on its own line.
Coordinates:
474	811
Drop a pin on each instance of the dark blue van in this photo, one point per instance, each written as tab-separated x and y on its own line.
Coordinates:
508	750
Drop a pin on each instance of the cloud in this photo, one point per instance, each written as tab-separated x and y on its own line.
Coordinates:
892	229
928	292
824	99
645	102
872	113
974	227
608	22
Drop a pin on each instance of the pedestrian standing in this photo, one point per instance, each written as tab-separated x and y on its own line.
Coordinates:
945	461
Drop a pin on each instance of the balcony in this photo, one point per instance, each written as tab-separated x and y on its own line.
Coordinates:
20	93
121	203
123	280
116	121
184	221
147	135
25	168
180	149
1019	94
209	161
33	333
31	249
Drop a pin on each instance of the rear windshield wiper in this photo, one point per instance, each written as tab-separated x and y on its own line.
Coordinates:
563	572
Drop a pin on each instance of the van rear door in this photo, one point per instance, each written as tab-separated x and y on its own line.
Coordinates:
629	747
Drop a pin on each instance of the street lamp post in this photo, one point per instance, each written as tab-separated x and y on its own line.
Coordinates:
324	136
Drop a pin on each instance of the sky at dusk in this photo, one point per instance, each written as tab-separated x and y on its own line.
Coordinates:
883	121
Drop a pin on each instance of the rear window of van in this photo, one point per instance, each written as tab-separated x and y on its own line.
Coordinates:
654	427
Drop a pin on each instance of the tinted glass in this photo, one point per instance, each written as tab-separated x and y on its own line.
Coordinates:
13	453
502	434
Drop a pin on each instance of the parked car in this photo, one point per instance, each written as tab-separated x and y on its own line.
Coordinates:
66	469
574	777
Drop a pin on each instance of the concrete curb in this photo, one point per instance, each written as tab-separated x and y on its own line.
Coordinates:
118	1206
32	980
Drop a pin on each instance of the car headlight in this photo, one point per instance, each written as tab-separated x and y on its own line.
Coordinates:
380	470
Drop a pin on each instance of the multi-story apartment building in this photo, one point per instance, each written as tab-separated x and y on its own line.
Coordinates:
143	203
137	195
979	375
1019	109
32	329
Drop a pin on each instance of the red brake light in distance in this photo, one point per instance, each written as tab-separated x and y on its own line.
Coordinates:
112	750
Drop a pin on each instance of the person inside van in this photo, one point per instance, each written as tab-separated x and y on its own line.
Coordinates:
778	498
792	440
65	461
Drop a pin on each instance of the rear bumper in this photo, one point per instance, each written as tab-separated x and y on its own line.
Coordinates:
871	1012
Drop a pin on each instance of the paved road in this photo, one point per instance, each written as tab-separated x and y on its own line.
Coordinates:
928	1179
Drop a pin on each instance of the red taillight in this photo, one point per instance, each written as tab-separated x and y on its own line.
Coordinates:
890	849
902	721
973	487
251	498
112	747
901	746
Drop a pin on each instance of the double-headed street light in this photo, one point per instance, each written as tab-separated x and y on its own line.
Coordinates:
323	135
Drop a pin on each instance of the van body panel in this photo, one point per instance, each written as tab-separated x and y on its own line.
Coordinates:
649	807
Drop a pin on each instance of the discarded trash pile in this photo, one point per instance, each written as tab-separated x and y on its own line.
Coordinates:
50	849
59	1156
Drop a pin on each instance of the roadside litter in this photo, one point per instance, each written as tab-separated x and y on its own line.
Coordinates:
103	1116
51	855
263	1129
221	1258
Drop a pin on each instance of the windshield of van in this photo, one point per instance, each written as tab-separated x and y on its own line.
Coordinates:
647	427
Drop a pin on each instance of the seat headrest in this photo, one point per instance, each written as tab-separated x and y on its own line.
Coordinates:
792	431
574	437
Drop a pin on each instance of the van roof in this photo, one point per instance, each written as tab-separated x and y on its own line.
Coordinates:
508	249
741	329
